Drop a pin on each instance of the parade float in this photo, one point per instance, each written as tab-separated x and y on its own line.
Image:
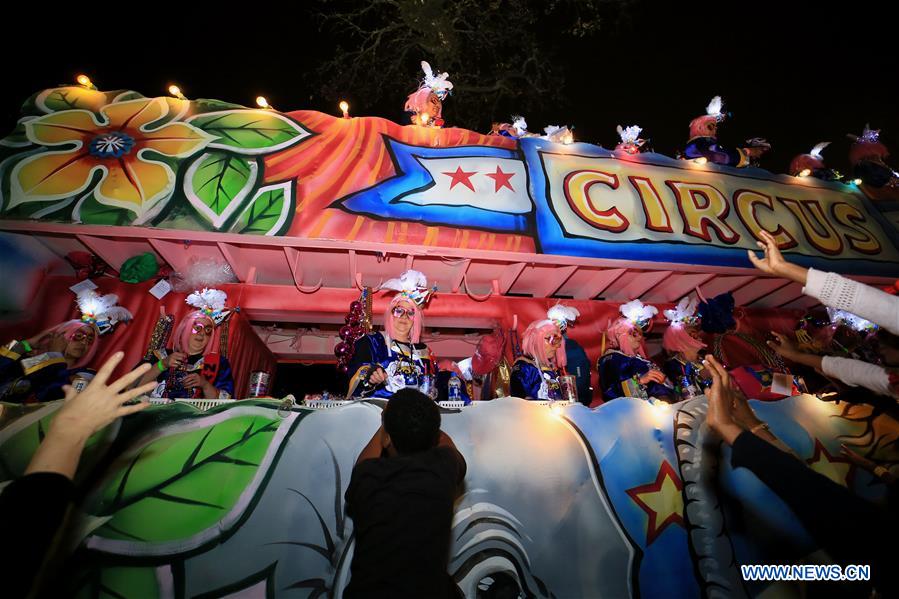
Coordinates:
306	210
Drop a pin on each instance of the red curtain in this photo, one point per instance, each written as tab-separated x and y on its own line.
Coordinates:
55	303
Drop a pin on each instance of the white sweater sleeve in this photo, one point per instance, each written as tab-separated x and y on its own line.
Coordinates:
856	373
862	300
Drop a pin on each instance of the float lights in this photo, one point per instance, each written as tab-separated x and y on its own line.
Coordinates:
424	117
805	172
700	160
345	109
856	181
176	91
261	102
85	81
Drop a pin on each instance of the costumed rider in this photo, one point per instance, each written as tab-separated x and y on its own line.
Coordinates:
631	142
624	369
812	165
517	130
703	142
577	362
867	157
191	369
685	349
385	362
37	368
535	374
426	103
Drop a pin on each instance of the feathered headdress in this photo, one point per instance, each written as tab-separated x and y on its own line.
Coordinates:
637	313
684	313
869	135
101	310
211	302
849	319
520	125
629	135
562	315
438	84
819	147
412	285
557	134
715	108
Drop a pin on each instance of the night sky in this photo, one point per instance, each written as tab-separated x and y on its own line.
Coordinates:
794	73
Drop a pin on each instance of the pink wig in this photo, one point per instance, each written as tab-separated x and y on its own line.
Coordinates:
532	343
185	329
417	320
677	339
68	330
699	125
418	101
617	331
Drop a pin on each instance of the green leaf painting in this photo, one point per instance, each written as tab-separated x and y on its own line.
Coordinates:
119	582
217	183
268	213
250	131
18	138
181	486
91	212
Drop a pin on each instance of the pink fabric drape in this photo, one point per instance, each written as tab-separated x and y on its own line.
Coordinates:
55	303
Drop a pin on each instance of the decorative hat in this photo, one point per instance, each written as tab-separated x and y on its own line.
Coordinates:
810	161
439	85
637	313
210	302
866	146
557	134
717	314
849	319
488	353
684	313
562	315
101	310
713	113
520	125
412	285
630	135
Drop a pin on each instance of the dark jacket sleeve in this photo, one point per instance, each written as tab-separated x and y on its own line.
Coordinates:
850	529
525	381
224	378
32	509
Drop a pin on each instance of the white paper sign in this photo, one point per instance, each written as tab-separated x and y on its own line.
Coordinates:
782	384
85	285
160	289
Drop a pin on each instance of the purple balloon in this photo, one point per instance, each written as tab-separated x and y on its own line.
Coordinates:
345	332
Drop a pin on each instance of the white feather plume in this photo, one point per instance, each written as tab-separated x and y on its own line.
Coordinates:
685	309
562	315
213	299
408	281
636	312
520	125
558	134
102	308
715	106
630	134
816	151
439	84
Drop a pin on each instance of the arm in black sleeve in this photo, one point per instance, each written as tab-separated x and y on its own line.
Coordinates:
32	508
850	529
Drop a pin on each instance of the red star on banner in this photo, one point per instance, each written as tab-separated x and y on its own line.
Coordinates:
501	179
462	177
837	468
661	500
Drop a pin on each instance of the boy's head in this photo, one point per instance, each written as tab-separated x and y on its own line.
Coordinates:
412	420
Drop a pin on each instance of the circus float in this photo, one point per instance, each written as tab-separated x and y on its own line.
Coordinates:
297	215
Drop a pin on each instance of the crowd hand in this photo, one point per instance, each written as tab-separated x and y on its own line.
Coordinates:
722	399
100	403
194	380
784	346
377	376
773	262
174	359
653	376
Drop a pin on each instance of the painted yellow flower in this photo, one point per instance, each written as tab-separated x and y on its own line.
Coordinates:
116	145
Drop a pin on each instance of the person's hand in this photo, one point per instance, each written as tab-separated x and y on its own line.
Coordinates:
653	376
784	346
99	403
742	413
721	398
377	376
174	359
56	342
195	380
773	261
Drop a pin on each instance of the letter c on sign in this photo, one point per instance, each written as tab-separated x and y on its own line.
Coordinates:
577	186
